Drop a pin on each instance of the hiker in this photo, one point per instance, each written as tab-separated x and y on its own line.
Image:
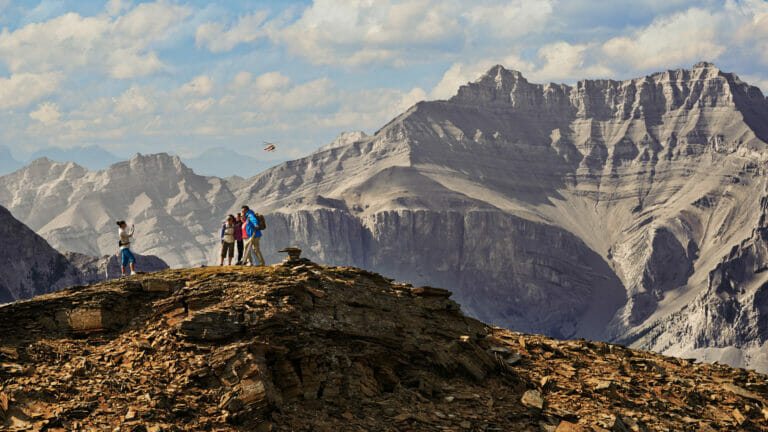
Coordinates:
124	242
253	233
239	238
228	240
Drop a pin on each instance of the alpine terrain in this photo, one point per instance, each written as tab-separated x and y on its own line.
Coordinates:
632	211
302	347
29	266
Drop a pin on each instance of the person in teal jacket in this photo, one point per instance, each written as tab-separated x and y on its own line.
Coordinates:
252	249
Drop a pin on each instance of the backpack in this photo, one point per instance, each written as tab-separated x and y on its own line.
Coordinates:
262	221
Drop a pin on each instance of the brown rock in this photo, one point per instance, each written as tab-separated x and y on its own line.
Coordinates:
329	348
565	426
427	291
532	399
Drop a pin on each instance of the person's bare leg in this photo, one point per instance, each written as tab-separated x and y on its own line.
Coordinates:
230	261
133	270
122	269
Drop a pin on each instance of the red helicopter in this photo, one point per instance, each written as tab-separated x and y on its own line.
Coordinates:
270	146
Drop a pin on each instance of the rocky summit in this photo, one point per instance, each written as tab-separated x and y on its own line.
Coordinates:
636	209
303	347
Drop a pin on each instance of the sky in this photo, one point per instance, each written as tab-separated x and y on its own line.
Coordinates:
186	76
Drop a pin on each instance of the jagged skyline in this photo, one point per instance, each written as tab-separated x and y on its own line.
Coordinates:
184	77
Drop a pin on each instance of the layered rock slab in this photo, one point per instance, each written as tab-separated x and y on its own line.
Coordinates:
307	347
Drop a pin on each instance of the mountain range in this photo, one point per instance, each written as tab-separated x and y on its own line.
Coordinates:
630	211
217	161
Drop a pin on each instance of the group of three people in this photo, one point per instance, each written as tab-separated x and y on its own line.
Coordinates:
243	230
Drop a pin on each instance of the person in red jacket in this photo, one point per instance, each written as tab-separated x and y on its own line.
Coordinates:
239	238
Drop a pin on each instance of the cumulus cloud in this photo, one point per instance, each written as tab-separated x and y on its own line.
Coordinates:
564	61
115	7
121	47
47	113
270	81
396	32
136	100
681	38
21	89
217	38
201	85
110	76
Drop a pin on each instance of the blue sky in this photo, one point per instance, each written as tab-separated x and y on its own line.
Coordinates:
184	76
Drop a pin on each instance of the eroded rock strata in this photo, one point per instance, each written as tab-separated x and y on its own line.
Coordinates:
594	210
302	347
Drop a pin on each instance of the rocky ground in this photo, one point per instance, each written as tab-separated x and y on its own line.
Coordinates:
300	347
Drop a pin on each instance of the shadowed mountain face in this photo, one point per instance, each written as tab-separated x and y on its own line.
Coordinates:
29	266
611	210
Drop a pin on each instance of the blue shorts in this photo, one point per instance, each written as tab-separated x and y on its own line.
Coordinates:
127	256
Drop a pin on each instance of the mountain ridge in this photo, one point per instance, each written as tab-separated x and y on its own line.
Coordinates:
609	202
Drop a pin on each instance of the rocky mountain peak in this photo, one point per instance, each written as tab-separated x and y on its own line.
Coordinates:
703	86
299	346
157	161
346	138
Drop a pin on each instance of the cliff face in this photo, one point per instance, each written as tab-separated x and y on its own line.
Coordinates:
299	346
28	265
595	210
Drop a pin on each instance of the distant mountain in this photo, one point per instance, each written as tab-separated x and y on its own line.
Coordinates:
29	266
176	211
224	162
7	162
632	211
91	157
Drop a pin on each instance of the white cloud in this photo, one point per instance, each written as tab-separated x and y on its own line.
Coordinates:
136	100
21	89
215	37
563	61
120	47
114	7
311	94
510	19
242	80
47	113
201	106
368	109
396	32
201	85
271	81
681	38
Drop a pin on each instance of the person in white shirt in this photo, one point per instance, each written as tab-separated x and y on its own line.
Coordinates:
228	239
126	256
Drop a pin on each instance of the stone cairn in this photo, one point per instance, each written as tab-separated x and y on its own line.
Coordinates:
294	257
